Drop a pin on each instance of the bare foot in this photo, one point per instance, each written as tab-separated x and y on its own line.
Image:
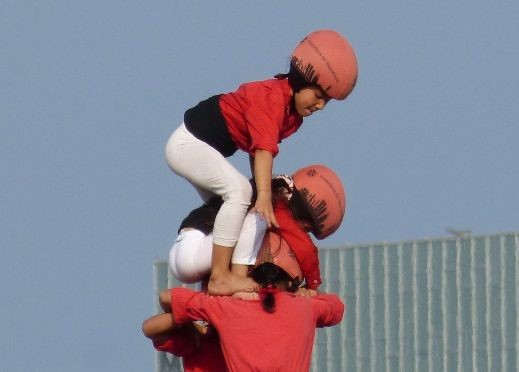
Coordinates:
229	283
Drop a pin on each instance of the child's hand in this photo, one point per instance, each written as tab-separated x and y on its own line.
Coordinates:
263	178
264	208
306	292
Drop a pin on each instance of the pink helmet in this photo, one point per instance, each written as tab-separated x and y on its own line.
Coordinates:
276	250
326	58
321	191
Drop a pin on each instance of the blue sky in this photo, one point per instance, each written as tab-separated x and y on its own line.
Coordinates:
91	90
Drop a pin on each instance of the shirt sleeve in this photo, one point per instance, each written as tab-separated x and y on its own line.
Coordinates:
188	305
329	309
179	343
180	300
264	119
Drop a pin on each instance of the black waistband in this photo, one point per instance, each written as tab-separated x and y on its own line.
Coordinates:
206	122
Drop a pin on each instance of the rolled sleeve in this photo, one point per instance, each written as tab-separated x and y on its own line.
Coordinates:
180	298
264	128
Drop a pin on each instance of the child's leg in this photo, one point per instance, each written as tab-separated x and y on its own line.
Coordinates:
207	169
227	228
249	244
190	256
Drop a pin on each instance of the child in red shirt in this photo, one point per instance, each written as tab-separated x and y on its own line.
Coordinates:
311	200
255	118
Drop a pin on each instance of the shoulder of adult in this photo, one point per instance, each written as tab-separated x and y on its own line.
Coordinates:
329	309
180	298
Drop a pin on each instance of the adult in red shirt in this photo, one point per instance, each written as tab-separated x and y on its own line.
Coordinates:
274	333
199	346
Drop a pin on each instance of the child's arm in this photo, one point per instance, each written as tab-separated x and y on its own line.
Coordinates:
158	326
165	300
301	245
263	161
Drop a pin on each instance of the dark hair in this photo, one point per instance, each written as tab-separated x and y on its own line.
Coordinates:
296	80
277	185
268	276
301	211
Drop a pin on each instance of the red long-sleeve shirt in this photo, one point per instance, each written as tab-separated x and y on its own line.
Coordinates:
300	243
258	115
255	340
202	356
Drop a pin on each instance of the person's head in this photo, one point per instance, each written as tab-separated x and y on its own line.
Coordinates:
309	100
322	66
276	269
271	279
307	97
324	58
318	200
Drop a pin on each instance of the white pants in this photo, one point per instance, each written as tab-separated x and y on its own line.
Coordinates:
211	174
190	255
